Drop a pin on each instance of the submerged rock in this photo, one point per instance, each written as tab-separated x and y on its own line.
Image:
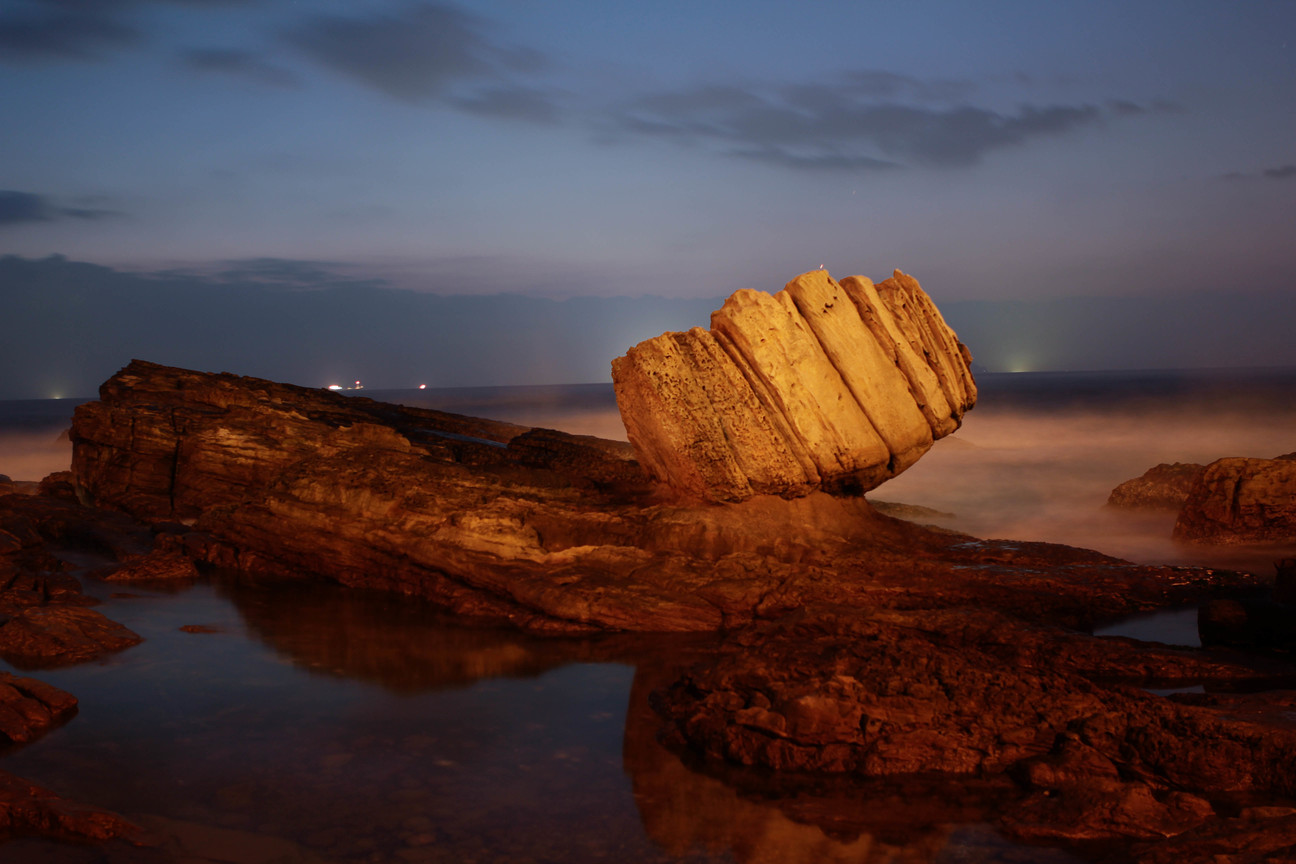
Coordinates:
824	385
28	809
29	708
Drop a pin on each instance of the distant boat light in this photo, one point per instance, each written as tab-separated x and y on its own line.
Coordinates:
422	386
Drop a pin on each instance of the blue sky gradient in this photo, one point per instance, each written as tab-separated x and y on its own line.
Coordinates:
1002	152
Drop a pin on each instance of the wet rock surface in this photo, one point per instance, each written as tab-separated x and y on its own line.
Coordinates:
969	694
27	809
44	619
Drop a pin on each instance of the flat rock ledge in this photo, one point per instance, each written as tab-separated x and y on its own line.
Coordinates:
824	385
551	532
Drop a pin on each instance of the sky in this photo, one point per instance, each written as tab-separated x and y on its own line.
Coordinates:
1046	170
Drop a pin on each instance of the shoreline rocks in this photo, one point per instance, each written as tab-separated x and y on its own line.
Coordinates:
1162	487
1239	500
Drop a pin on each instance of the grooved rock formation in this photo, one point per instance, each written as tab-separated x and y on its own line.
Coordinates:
824	385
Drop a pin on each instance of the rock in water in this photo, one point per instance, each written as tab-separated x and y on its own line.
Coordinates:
1239	500
824	385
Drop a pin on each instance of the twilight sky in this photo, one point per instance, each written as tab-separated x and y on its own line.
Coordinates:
1025	155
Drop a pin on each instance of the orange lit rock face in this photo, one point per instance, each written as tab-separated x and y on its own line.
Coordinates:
1239	500
824	385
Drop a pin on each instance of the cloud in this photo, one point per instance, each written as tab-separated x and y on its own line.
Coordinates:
240	64
41	30
414	56
431	53
67	30
856	122
17	208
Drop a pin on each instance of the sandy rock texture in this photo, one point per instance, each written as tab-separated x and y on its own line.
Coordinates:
824	385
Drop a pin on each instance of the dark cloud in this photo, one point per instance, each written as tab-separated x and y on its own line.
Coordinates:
432	52
240	64
413	56
78	29
18	207
65	30
22	207
844	124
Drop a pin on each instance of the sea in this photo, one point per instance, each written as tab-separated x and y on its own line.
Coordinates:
267	721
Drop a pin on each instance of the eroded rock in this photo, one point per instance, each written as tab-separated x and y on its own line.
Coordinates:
1163	487
26	808
1240	500
29	708
824	385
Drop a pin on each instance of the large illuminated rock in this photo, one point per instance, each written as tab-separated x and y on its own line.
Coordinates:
829	385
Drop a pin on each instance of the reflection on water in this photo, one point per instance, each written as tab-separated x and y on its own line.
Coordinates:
349	727
1169	626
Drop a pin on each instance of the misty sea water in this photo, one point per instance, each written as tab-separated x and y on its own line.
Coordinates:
303	722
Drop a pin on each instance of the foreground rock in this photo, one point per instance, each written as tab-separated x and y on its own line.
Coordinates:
822	385
29	708
969	694
1164	487
1239	500
44	619
551	532
27	809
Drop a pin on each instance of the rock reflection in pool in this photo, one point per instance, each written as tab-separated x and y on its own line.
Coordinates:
322	724
1168	626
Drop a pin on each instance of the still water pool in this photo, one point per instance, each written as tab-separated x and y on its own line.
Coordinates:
294	723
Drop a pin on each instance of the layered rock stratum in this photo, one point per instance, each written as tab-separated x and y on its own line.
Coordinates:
547	530
824	385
